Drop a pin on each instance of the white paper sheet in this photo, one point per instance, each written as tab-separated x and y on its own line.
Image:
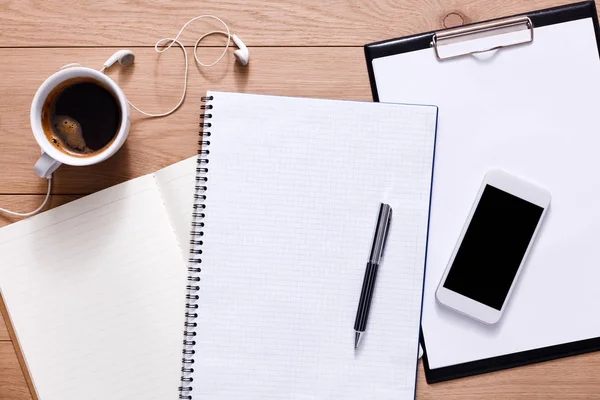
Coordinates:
531	110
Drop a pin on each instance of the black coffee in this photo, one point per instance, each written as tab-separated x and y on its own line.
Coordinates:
81	117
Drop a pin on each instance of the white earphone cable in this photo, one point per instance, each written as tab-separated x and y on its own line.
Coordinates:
29	214
164	41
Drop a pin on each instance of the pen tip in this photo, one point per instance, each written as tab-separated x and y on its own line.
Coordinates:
357	337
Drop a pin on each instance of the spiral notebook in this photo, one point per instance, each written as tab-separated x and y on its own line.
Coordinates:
289	191
283	198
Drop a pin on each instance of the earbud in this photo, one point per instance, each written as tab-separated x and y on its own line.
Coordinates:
127	58
243	54
124	57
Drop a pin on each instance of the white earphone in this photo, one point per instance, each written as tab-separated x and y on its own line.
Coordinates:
126	57
243	54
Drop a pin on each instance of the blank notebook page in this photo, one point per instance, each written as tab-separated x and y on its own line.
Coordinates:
94	290
294	187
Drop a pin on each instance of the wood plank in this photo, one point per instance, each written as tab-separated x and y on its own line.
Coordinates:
257	22
18	352
574	378
3	331
13	385
154	84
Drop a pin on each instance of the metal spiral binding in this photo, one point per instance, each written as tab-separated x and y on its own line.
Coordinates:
196	242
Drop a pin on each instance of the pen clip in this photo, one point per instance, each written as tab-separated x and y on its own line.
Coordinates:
381	228
387	234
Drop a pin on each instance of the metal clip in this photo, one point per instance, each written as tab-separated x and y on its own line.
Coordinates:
484	29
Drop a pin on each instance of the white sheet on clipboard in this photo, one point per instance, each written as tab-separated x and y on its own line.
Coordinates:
533	111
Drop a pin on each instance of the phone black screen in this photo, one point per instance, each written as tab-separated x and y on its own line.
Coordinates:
493	247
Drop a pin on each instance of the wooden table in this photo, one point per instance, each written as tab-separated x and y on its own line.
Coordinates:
309	48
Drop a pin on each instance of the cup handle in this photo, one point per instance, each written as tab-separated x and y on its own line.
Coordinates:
45	166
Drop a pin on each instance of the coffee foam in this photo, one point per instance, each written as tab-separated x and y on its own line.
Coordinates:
68	134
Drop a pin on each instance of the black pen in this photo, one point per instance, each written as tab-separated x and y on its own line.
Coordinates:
366	294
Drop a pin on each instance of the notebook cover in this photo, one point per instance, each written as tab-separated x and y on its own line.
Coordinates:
422	41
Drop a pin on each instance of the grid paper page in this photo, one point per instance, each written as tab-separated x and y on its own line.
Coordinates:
95	292
294	187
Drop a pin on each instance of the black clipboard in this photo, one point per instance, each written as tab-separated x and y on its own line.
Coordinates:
426	40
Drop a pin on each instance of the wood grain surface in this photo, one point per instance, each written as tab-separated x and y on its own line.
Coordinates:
574	378
30	23
12	380
306	48
3	332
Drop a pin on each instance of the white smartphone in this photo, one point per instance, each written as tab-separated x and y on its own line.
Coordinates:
493	246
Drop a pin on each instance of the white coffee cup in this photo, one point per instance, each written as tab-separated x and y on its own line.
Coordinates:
51	157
